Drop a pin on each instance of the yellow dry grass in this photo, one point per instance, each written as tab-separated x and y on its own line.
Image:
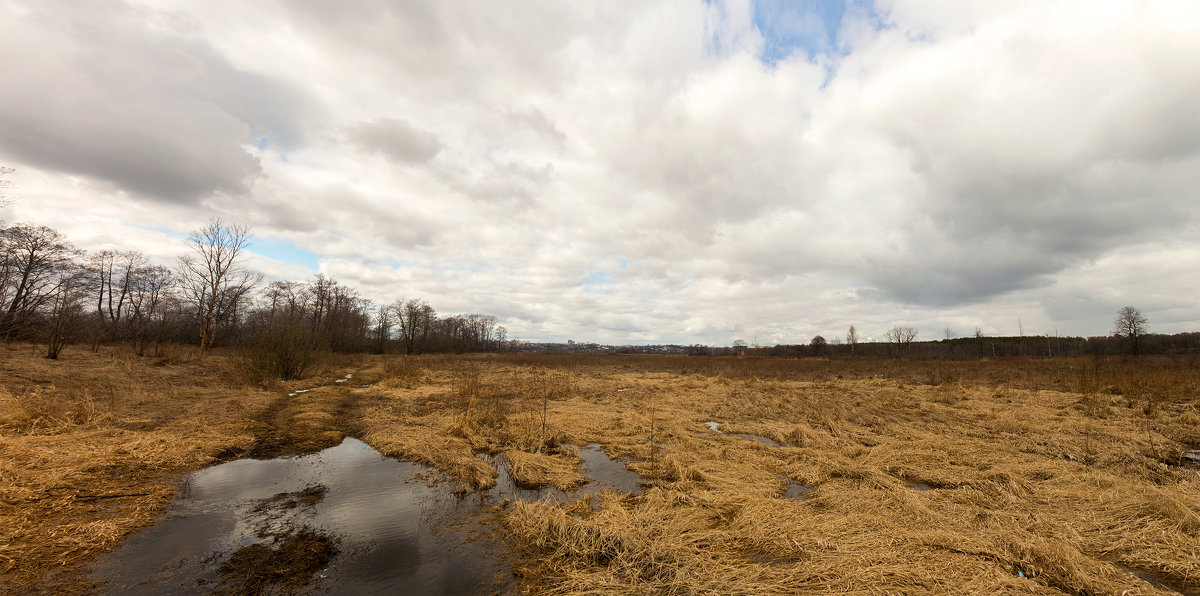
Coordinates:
91	445
1039	477
950	488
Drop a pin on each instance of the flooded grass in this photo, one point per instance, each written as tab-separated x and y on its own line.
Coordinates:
601	472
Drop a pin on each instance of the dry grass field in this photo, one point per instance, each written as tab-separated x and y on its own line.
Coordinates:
1019	476
92	444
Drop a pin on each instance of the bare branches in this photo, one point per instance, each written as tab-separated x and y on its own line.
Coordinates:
213	279
901	336
31	258
1131	323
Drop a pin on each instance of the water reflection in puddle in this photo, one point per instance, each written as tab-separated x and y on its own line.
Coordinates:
395	531
760	439
1158	580
603	473
796	491
1192	459
715	426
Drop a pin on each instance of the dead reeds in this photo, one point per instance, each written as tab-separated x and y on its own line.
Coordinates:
1026	476
923	483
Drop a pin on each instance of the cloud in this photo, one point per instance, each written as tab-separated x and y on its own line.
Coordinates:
158	113
396	139
898	162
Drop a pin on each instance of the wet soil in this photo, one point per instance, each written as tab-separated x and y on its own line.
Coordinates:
303	421
286	567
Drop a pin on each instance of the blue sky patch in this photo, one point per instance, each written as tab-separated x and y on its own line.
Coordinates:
164	231
810	28
599	277
282	250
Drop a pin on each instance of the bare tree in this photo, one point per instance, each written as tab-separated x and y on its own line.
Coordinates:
115	275
65	314
901	336
383	328
213	279
1130	323
852	339
948	332
415	320
152	296
31	257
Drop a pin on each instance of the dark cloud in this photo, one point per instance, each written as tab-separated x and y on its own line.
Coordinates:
396	140
108	96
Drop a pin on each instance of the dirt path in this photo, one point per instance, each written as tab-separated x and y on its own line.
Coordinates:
305	422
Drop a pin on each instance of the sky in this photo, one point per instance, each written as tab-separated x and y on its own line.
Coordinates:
675	171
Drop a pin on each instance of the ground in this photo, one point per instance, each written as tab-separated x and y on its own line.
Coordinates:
1030	476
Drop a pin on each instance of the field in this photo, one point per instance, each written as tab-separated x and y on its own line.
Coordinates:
1021	476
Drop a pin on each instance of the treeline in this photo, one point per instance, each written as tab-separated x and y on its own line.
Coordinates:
971	348
58	294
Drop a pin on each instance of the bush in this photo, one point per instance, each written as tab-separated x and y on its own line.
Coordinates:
281	350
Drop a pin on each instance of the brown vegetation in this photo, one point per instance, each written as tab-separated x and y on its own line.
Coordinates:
954	483
1042	476
91	445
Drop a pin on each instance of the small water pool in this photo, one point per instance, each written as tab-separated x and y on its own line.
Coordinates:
394	530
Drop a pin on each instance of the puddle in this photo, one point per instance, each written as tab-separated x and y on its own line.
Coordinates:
795	490
920	486
1158	580
715	426
603	473
760	439
1191	459
385	528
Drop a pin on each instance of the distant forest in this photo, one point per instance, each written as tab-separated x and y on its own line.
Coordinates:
968	348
